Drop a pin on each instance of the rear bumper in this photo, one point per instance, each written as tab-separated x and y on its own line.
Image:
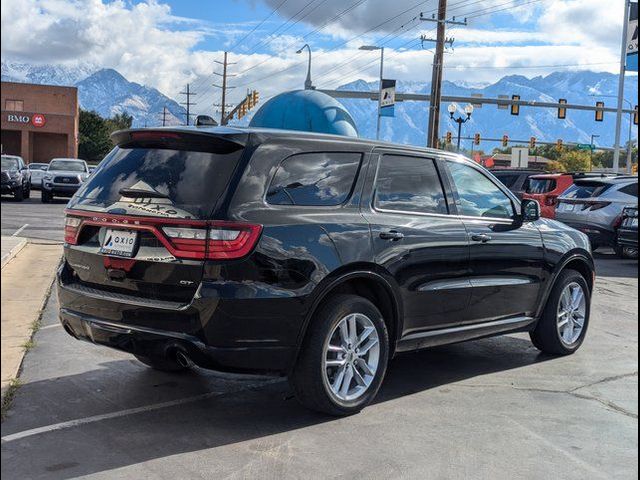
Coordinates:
597	235
150	342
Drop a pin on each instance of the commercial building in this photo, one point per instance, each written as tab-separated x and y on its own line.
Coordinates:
39	122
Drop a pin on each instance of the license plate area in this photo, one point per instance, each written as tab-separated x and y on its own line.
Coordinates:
119	243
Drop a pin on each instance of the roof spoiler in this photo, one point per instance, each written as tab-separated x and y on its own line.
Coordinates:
232	138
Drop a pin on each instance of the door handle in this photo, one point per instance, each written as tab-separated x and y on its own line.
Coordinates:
391	235
480	237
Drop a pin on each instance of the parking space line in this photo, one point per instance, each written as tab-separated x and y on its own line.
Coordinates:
53	325
17	232
122	413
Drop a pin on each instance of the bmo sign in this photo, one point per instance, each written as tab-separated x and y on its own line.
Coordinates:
37	119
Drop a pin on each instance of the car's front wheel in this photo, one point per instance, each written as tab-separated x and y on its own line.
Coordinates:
46	197
344	357
563	325
19	194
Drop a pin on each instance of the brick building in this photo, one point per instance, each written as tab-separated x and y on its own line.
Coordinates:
39	122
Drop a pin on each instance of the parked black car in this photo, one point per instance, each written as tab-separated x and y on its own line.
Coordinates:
628	233
516	180
16	178
313	256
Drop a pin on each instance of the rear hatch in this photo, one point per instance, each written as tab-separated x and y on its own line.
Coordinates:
583	198
540	188
141	225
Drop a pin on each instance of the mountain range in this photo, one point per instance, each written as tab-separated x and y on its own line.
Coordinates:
107	92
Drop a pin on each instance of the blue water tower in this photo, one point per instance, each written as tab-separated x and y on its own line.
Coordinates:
307	111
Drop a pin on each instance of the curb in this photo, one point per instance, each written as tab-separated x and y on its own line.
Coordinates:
7	257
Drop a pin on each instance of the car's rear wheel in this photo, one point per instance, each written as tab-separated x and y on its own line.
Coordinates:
344	357
563	325
164	364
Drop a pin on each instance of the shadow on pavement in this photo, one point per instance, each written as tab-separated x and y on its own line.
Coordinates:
610	265
248	412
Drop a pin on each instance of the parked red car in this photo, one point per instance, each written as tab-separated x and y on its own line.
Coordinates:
546	188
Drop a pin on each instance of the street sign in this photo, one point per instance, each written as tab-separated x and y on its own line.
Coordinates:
388	98
632	39
585	146
519	157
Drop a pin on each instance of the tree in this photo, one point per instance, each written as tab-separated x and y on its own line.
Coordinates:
94	140
571	161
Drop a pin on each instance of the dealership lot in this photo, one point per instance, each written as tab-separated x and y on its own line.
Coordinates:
495	408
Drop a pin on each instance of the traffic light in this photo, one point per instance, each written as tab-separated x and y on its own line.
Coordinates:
255	95
599	112
562	112
532	143
476	139
505	140
635	116
560	145
515	108
449	138
242	110
249	101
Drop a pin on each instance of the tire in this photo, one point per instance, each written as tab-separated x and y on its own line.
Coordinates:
627	253
19	194
547	334
162	364
45	197
27	192
311	379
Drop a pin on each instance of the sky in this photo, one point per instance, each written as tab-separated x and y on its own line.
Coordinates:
169	43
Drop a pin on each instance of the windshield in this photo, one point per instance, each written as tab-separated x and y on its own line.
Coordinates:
159	181
9	163
586	190
38	166
67	166
539	186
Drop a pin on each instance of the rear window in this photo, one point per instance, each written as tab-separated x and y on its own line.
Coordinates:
156	181
586	190
508	179
539	186
314	179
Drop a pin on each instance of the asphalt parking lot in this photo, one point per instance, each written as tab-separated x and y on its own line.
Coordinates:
32	218
494	408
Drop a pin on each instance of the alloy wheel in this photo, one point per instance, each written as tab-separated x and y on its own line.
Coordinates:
351	357
572	313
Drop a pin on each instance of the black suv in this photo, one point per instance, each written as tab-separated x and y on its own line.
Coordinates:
312	256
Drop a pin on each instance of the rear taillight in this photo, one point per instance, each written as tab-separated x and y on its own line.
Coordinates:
221	241
71	229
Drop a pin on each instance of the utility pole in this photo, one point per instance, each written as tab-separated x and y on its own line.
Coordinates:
188	93
224	87
623	69
164	116
433	131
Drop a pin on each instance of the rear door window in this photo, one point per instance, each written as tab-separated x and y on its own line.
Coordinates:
409	184
630	190
155	181
315	179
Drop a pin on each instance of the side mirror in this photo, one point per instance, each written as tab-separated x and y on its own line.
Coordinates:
530	210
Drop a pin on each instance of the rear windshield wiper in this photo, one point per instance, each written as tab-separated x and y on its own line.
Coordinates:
140	193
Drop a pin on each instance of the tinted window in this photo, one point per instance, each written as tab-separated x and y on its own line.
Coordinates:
586	189
478	195
508	179
409	184
180	183
314	179
541	185
67	165
631	190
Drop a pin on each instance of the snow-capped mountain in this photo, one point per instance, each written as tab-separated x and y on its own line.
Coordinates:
102	90
410	123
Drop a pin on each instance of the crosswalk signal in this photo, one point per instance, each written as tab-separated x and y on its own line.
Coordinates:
476	139
505	140
599	111
515	108
532	143
560	145
449	138
562	112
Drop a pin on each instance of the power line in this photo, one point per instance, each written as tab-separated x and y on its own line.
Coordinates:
247	35
188	93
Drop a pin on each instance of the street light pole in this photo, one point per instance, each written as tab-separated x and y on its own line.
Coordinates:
593	137
372	48
623	70
308	85
630	138
453	108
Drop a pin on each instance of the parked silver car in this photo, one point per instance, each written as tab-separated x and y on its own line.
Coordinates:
594	206
37	173
63	178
